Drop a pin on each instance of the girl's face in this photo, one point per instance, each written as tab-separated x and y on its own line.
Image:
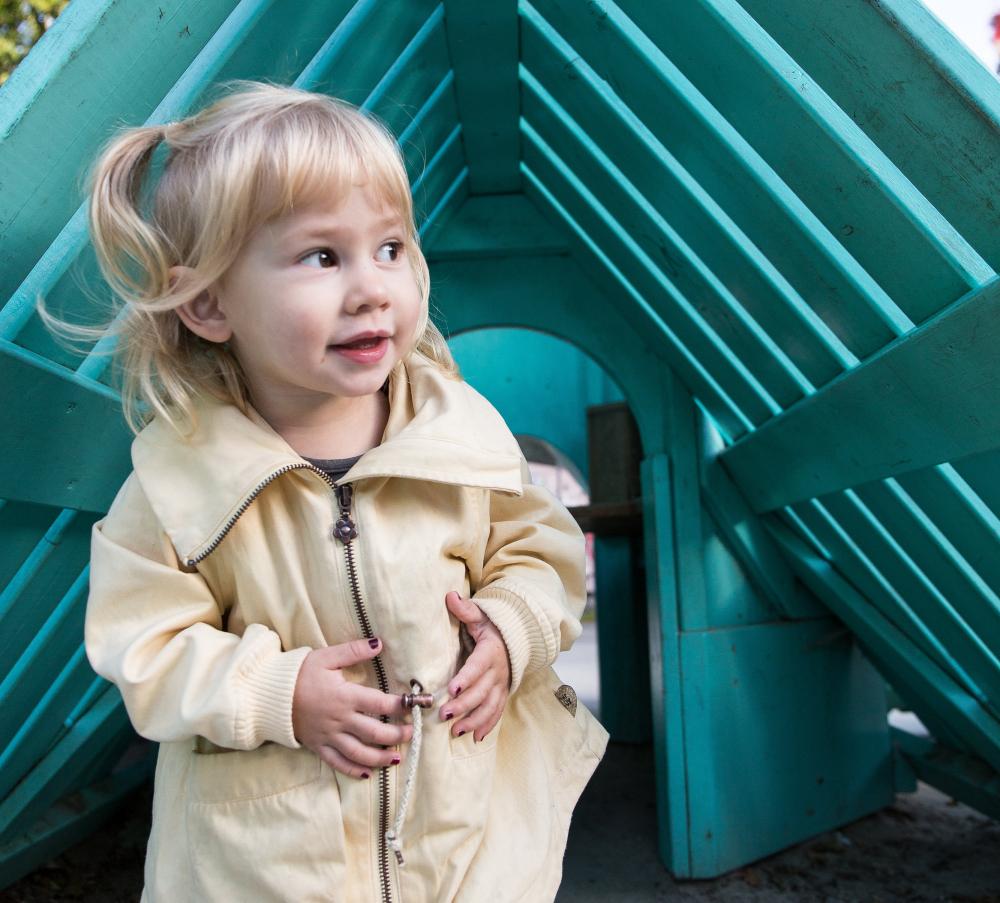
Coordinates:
309	282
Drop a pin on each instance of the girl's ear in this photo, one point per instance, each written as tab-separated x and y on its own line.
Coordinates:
202	315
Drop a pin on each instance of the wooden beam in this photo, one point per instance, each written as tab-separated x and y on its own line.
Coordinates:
496	225
927	398
64	443
483	41
610	518
892	651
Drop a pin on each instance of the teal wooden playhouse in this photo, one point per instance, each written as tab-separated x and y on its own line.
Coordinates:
770	227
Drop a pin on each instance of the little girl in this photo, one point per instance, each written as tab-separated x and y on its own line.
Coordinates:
328	588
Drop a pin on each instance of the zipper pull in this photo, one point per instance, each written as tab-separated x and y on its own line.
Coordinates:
345	529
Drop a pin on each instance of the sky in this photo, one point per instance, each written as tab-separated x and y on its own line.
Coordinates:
970	21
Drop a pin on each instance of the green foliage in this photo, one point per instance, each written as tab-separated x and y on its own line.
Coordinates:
22	23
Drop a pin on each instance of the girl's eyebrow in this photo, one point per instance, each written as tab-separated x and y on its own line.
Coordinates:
321	229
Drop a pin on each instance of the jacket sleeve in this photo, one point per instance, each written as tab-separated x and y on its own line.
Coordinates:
155	630
533	585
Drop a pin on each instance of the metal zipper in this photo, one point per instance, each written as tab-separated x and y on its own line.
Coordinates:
249	500
344	530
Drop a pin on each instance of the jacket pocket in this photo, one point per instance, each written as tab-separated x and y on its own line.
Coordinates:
264	825
219	776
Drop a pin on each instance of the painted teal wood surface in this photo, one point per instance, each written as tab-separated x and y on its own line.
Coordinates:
771	225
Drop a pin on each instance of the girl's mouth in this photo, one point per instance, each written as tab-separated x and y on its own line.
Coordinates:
365	351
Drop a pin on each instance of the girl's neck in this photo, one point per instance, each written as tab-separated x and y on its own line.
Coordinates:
337	428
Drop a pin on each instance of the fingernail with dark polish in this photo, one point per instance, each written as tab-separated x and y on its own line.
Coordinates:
458	690
448	715
460	733
373	642
395	760
365	775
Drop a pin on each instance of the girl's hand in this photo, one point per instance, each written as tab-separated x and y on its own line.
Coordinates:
338	719
479	690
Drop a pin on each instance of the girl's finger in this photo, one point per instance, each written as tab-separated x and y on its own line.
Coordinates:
472	696
352	748
475	667
341	763
482	719
464	609
368	699
379	733
494	718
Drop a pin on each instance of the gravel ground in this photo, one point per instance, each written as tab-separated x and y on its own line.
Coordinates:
923	848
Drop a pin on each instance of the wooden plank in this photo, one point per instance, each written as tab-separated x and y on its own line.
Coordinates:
64	444
52	646
731	254
914	89
622	640
44	724
845	179
964	503
719	308
646	323
727	168
648	278
413	75
615	519
893	651
746	536
496	225
961	776
135	51
666	680
431	125
928	397
744	688
68	822
964	649
345	65
45	575
483	40
436	180
957	586
61	769
865	574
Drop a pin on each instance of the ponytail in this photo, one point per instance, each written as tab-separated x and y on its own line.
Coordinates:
120	234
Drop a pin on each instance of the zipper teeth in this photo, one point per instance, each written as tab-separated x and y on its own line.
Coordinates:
249	500
383	683
366	627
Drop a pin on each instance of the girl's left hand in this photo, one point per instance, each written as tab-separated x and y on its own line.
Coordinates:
479	690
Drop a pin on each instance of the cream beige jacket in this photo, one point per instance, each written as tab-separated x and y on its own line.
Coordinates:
217	570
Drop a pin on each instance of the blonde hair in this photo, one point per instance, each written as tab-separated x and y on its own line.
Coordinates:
252	155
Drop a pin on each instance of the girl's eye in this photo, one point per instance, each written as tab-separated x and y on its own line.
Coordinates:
396	248
321	254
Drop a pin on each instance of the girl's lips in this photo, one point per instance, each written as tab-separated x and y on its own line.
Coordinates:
370	355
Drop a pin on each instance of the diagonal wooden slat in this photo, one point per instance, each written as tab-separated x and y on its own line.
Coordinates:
915	89
892	650
64	442
483	41
845	179
927	398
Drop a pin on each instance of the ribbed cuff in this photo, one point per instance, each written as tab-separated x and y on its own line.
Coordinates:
268	694
519	628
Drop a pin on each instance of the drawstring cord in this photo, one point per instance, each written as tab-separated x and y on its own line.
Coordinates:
415	701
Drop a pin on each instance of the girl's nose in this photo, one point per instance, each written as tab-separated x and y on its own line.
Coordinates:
367	289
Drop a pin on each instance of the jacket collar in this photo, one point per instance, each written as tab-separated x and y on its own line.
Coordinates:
439	429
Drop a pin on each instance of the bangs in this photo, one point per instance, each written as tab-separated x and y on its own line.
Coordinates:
312	159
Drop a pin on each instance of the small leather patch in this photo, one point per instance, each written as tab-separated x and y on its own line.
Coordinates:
567	696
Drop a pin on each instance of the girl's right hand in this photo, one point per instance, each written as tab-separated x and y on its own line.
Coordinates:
338	719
